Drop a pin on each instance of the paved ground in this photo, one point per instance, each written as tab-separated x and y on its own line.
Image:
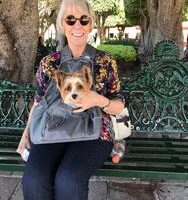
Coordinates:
102	188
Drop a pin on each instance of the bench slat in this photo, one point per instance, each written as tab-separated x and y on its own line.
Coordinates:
142	159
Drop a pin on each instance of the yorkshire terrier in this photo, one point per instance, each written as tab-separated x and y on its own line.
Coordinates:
73	85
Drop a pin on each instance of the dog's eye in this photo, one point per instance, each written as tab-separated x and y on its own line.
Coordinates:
68	88
80	87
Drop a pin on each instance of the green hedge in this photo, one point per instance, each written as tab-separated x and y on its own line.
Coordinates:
126	53
129	42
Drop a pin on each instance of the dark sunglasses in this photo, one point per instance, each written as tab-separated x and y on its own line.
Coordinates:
71	20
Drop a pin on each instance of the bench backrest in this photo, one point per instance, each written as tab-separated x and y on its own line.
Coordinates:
15	103
158	96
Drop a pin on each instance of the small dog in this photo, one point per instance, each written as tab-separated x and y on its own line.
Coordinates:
73	85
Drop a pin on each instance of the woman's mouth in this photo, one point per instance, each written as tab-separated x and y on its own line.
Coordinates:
78	34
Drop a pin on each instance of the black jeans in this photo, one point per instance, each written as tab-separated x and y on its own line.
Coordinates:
62	171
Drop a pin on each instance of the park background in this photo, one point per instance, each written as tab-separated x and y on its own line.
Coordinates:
133	27
23	21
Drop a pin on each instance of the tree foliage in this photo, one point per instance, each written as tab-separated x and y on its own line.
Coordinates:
103	9
185	11
133	9
118	18
47	14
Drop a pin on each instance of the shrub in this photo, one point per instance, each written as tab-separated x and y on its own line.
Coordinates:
120	52
129	42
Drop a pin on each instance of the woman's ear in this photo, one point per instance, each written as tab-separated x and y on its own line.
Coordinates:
90	29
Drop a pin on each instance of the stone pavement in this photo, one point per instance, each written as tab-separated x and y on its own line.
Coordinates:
101	188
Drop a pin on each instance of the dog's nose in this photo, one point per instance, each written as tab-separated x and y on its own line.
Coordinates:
74	96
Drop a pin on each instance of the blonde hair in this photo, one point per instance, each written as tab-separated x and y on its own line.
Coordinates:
81	3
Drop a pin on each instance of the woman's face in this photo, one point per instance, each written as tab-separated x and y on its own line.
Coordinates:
77	34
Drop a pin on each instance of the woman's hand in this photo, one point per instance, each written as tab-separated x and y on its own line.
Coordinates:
88	101
114	107
24	143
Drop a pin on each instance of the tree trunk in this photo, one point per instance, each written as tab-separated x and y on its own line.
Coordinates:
144	48
98	39
165	21
18	38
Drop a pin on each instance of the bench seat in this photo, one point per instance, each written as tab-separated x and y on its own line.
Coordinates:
161	158
147	158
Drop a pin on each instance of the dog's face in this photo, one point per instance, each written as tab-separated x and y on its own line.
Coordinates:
73	85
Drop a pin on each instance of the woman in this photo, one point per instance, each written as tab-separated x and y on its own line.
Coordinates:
62	171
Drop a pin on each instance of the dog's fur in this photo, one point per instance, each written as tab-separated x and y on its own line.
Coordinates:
73	85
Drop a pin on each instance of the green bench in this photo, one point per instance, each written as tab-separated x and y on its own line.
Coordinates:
157	99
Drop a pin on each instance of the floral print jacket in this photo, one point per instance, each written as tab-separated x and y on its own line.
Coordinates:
105	73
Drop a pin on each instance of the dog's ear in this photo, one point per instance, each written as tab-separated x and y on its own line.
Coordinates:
58	76
86	73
